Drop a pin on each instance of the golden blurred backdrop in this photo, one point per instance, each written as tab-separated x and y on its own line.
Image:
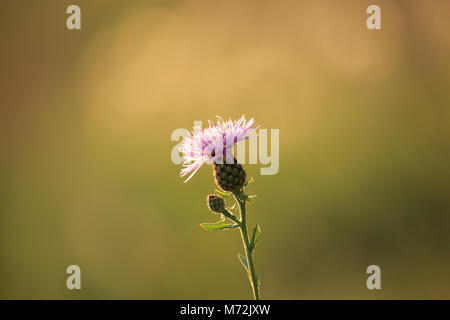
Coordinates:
86	176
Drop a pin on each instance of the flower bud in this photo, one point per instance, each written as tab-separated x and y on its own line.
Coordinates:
215	203
229	177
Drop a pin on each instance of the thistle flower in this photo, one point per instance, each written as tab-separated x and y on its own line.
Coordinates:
213	144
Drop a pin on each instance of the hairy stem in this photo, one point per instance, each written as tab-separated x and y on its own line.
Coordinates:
248	248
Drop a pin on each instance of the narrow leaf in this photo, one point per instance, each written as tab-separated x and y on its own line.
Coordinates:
255	235
218	226
243	260
249	181
222	193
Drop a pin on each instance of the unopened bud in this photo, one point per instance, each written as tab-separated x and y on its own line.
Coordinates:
215	203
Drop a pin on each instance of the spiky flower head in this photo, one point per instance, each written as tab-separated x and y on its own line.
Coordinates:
214	144
215	203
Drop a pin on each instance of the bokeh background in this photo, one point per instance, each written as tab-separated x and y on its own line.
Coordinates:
86	176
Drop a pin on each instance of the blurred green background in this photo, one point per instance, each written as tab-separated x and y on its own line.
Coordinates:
86	176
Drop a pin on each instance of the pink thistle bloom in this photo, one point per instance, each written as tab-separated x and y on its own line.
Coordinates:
212	143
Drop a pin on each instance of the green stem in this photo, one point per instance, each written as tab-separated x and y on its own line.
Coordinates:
230	216
248	249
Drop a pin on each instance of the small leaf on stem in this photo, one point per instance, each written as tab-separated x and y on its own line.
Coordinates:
218	226
243	260
222	193
249	181
255	236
